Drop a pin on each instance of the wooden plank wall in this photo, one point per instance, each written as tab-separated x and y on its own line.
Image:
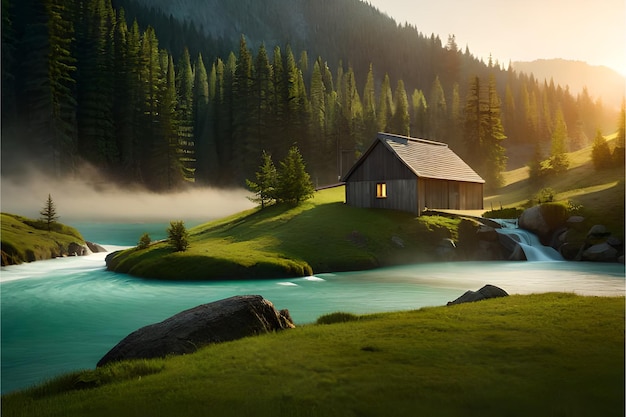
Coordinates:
445	194
401	195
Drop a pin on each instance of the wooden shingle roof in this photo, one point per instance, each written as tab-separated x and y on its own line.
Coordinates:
425	158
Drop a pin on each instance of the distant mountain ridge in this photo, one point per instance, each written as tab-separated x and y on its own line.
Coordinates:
601	82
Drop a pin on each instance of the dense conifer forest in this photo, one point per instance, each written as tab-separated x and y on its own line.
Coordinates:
150	99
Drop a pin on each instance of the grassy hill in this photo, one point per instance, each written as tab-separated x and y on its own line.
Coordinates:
325	235
599	193
320	235
540	355
27	240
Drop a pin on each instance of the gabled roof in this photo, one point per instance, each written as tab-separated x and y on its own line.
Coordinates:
425	158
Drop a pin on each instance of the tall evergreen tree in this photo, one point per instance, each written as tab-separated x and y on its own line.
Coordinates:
204	138
473	130
419	114
494	153
600	152
262	110
558	158
243	112
369	106
294	182
400	120
150	133
384	110
94	88
185	116
438	111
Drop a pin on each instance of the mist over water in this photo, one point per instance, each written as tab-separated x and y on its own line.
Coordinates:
89	199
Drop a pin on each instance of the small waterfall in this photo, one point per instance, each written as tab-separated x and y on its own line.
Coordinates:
527	242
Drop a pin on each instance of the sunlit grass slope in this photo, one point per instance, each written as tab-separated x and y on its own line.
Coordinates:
26	240
320	235
532	355
600	193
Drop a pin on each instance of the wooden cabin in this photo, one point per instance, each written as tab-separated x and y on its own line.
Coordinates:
409	174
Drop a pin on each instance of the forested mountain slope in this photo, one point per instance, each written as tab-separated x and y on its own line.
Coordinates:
601	82
193	91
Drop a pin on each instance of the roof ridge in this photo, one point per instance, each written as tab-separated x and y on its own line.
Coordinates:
394	137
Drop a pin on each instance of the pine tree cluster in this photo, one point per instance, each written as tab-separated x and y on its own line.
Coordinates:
81	83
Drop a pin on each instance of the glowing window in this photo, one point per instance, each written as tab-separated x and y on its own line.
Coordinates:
381	190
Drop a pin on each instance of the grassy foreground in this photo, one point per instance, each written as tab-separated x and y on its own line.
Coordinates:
27	240
320	235
541	355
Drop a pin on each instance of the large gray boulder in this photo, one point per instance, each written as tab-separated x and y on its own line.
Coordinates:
601	252
486	292
532	220
220	321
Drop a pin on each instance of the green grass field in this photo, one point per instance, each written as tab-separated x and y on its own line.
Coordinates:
600	193
540	355
319	235
26	240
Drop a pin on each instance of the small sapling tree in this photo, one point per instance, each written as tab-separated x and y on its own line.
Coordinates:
49	213
144	241
178	235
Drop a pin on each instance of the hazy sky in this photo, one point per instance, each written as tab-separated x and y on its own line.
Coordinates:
523	30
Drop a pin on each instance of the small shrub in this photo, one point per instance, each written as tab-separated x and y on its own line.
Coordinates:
545	195
555	214
144	241
178	235
338	317
505	213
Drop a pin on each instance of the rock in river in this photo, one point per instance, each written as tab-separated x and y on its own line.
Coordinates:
488	291
219	321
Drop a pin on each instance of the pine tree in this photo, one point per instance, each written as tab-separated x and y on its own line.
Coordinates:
419	114
264	188
473	130
400	121
262	94
150	136
483	132
204	137
61	69
94	87
294	183
558	158
171	146
185	116
178	236
384	110
495	159
49	213
600	152
438	111
369	105
243	111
